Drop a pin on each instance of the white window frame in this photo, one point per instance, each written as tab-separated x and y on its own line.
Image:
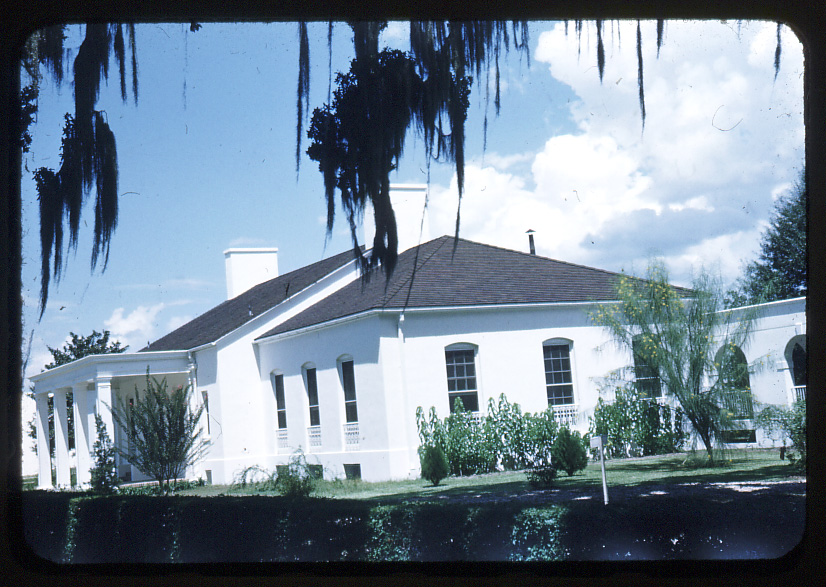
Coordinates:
451	395
354	402
569	344
279	410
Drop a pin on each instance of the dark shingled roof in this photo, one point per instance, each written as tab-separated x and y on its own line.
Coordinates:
229	315
475	274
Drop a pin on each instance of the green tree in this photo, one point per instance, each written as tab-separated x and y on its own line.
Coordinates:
78	347
781	271
104	473
569	452
162	431
434	464
679	334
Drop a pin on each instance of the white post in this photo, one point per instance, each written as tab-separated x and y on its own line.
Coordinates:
197	469
61	438
84	435
44	457
598	442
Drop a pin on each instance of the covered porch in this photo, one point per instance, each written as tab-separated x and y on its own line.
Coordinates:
97	383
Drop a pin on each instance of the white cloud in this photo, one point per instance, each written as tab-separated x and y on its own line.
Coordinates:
137	327
721	140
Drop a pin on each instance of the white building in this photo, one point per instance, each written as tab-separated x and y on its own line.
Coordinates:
320	360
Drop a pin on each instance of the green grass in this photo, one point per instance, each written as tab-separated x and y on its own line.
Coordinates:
739	465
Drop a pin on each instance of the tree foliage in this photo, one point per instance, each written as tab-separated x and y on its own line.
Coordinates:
79	346
162	431
679	334
434	464
781	270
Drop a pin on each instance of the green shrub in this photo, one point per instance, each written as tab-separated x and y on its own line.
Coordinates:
569	452
537	534
434	464
104	472
296	479
787	425
636	425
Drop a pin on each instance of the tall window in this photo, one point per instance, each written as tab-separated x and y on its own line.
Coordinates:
348	380
646	377
558	379
280	403
461	377
312	396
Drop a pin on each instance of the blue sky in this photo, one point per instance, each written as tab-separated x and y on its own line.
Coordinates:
207	162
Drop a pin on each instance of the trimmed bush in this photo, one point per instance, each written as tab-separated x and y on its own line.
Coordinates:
569	452
434	464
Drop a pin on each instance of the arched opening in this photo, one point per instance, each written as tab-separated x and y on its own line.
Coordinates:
796	357
733	369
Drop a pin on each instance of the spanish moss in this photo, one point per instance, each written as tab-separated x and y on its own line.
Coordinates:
600	51
359	137
777	53
303	92
88	157
660	29
640	83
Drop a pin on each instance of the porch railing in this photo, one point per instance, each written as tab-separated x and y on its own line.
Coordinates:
740	403
351	436
566	415
799	392
314	434
282	440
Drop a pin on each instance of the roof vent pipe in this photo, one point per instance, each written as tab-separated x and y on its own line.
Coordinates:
530	232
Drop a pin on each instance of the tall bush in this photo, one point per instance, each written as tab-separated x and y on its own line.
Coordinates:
636	425
434	464
104	473
163	431
569	451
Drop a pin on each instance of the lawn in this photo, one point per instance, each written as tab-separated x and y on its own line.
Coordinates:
681	468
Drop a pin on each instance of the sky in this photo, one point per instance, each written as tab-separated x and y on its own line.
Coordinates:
207	162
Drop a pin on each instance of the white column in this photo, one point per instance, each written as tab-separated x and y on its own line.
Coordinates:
195	401
61	438
104	403
44	473
84	436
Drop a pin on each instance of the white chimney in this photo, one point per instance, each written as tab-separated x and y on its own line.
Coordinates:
408	205
247	268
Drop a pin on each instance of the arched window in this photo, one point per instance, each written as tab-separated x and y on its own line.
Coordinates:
348	383
559	382
460	360
311	384
733	368
277	380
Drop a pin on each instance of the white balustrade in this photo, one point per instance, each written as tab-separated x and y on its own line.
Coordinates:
314	433
566	415
282	440
799	392
351	436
